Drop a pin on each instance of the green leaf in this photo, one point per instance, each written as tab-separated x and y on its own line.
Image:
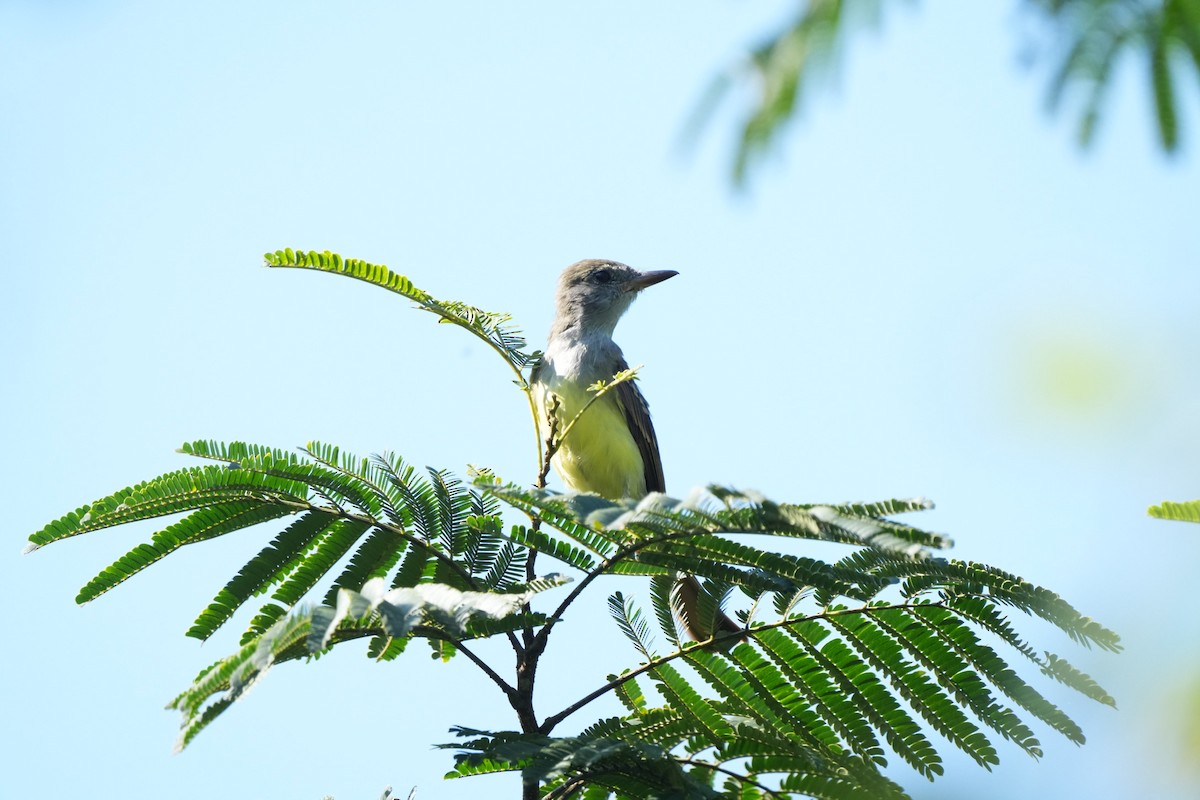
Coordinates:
333	543
180	491
680	695
494	329
1164	90
1062	671
955	675
956	635
374	558
201	525
401	610
231	677
555	548
272	564
630	621
815	698
783	71
1185	512
913	685
1094	36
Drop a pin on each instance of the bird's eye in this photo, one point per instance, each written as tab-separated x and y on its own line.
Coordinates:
602	276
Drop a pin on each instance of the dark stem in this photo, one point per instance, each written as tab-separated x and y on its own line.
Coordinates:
527	657
508	690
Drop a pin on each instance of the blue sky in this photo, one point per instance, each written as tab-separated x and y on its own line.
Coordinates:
926	291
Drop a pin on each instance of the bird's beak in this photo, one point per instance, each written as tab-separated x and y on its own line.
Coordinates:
650	278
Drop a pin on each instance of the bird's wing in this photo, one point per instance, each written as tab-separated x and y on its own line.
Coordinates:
637	417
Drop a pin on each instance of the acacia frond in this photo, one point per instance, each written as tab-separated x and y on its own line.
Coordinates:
1186	512
862	657
664	600
1093	38
429	604
1089	40
542	542
781	72
630	694
272	565
623	766
378	518
846	684
386	615
232	676
495	329
198	526
630	621
634	759
570	514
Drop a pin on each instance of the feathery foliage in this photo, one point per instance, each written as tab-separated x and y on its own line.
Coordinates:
888	651
1093	37
1088	41
1187	512
495	329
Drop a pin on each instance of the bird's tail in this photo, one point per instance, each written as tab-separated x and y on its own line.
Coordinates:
698	625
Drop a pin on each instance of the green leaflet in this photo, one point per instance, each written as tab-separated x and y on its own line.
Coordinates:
374	558
955	634
683	697
630	695
202	524
374	612
1083	44
663	600
172	493
494	329
955	676
622	766
401	610
1093	39
631	622
788	727
566	513
232	676
799	669
272	564
550	546
913	685
1186	512
330	547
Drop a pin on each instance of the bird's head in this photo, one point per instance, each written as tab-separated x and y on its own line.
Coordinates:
593	294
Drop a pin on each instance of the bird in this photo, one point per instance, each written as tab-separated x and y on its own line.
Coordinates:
611	449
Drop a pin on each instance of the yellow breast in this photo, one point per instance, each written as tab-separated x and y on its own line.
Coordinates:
598	453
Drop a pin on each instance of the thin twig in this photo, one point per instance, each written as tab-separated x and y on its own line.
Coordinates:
508	690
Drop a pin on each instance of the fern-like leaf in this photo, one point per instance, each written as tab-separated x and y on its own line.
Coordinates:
494	329
1186	512
272	564
631	623
200	525
820	695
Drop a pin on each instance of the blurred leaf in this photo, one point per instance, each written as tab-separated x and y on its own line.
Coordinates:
1089	40
1185	512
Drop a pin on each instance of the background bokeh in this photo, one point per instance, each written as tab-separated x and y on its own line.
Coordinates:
927	291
